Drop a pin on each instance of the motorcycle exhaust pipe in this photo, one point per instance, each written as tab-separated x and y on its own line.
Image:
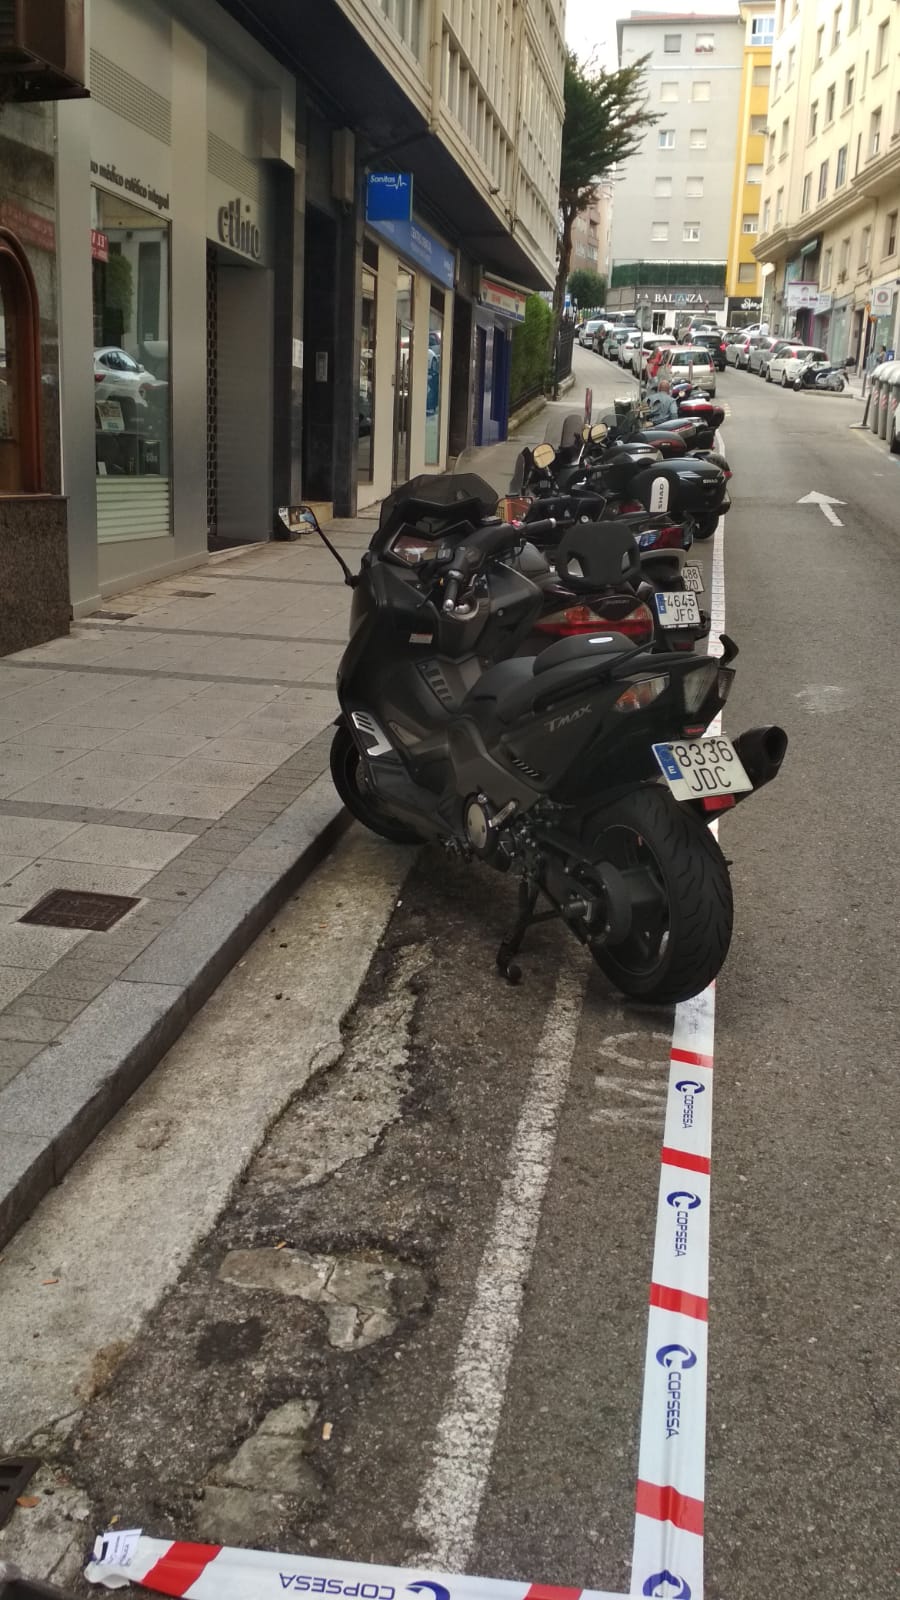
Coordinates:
761	752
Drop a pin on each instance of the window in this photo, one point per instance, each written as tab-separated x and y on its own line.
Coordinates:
792	57
754	173
875	133
849	83
826	268
366	395
672	44
767	216
691	232
762	77
694	188
820	47
836	28
858	153
804	198
785	136
829	106
750	222
840	169
844	261
659	231
698	139
662	188
666	138
823	181
882	46
897	116
865	245
433	384
704	43
890	234
771	150
20	372
762	30
854	15
779	206
700	90
813	118
747	272
757	124
776	86
668	92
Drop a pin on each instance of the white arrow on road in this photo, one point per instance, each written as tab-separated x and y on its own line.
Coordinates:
824	503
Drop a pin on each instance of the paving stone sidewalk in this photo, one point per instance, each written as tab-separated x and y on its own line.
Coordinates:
173	749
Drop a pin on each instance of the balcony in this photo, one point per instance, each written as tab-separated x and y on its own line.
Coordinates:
42	50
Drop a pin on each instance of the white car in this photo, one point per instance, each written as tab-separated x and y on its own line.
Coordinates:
628	347
691	362
118	376
587	330
785	364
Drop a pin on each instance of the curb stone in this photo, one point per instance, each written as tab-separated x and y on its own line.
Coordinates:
60	1101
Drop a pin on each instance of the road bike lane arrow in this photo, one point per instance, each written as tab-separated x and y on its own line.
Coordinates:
824	503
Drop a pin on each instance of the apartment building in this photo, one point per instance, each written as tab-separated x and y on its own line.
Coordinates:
829	235
673	201
591	234
743	282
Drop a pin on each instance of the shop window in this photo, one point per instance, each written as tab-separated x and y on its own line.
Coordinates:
20	372
132	400
366	400
433	385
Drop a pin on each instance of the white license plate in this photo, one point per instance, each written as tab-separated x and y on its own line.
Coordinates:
693	578
677	608
696	768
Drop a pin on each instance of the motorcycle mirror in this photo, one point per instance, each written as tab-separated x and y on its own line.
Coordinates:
599	432
543	455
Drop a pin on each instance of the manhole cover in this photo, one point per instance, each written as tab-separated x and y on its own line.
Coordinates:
79	908
113	616
194	594
16	1473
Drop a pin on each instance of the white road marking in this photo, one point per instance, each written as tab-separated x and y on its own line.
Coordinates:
825	502
451	1498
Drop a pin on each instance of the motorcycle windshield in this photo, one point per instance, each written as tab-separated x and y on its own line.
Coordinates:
435	496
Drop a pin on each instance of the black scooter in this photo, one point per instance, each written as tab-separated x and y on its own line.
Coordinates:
583	770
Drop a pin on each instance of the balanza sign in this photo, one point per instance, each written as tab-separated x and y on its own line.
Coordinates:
688	297
238	231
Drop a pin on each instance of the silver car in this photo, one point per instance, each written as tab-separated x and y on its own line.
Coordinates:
760	352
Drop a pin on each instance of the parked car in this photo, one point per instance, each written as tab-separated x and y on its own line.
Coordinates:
785	363
628	346
655	346
734	346
587	330
699	325
760	352
689	361
117	375
715	344
612	339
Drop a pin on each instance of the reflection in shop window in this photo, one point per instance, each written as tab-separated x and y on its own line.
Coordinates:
132	409
20	372
366	402
433	388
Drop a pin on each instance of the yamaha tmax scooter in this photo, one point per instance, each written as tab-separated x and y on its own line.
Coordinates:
583	770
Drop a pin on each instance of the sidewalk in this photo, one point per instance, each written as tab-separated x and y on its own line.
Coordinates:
174	750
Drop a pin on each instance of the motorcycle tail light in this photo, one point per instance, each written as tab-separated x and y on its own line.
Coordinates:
697	685
641	694
636	624
718	802
724	680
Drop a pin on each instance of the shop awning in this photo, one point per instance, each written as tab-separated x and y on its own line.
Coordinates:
810	248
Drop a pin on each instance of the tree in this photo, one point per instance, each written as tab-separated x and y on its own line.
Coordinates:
586	288
606	118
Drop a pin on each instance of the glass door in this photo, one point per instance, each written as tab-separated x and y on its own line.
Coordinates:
403	375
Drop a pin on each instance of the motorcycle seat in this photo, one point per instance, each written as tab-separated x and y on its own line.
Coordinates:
507	691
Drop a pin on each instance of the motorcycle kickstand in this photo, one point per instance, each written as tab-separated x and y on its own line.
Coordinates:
528	898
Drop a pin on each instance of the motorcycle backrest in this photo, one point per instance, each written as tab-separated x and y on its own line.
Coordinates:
597	555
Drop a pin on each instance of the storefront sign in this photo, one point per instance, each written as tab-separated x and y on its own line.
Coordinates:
389	197
882	299
129	185
823	302
509	302
411	240
28	226
236	228
801	296
99	245
704	298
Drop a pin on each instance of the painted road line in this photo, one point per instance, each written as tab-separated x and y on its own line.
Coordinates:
451	1497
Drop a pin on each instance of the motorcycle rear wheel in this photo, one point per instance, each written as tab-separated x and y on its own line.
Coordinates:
681	933
348	777
705	527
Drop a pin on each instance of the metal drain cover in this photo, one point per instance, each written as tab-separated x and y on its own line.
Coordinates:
16	1473
194	594
112	616
79	908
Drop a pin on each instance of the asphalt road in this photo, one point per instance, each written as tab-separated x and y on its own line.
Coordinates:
510	1448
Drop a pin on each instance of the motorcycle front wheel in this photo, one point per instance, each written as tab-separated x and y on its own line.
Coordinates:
349	778
682	909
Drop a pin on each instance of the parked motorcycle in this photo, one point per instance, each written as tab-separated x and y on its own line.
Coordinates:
820	375
582	770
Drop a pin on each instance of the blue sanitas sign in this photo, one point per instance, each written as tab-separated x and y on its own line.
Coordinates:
389	197
410	239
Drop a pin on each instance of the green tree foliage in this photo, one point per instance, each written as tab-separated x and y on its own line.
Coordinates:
529	362
588	289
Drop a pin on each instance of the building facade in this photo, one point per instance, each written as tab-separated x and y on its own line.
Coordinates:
592	234
829	236
673	200
743	282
